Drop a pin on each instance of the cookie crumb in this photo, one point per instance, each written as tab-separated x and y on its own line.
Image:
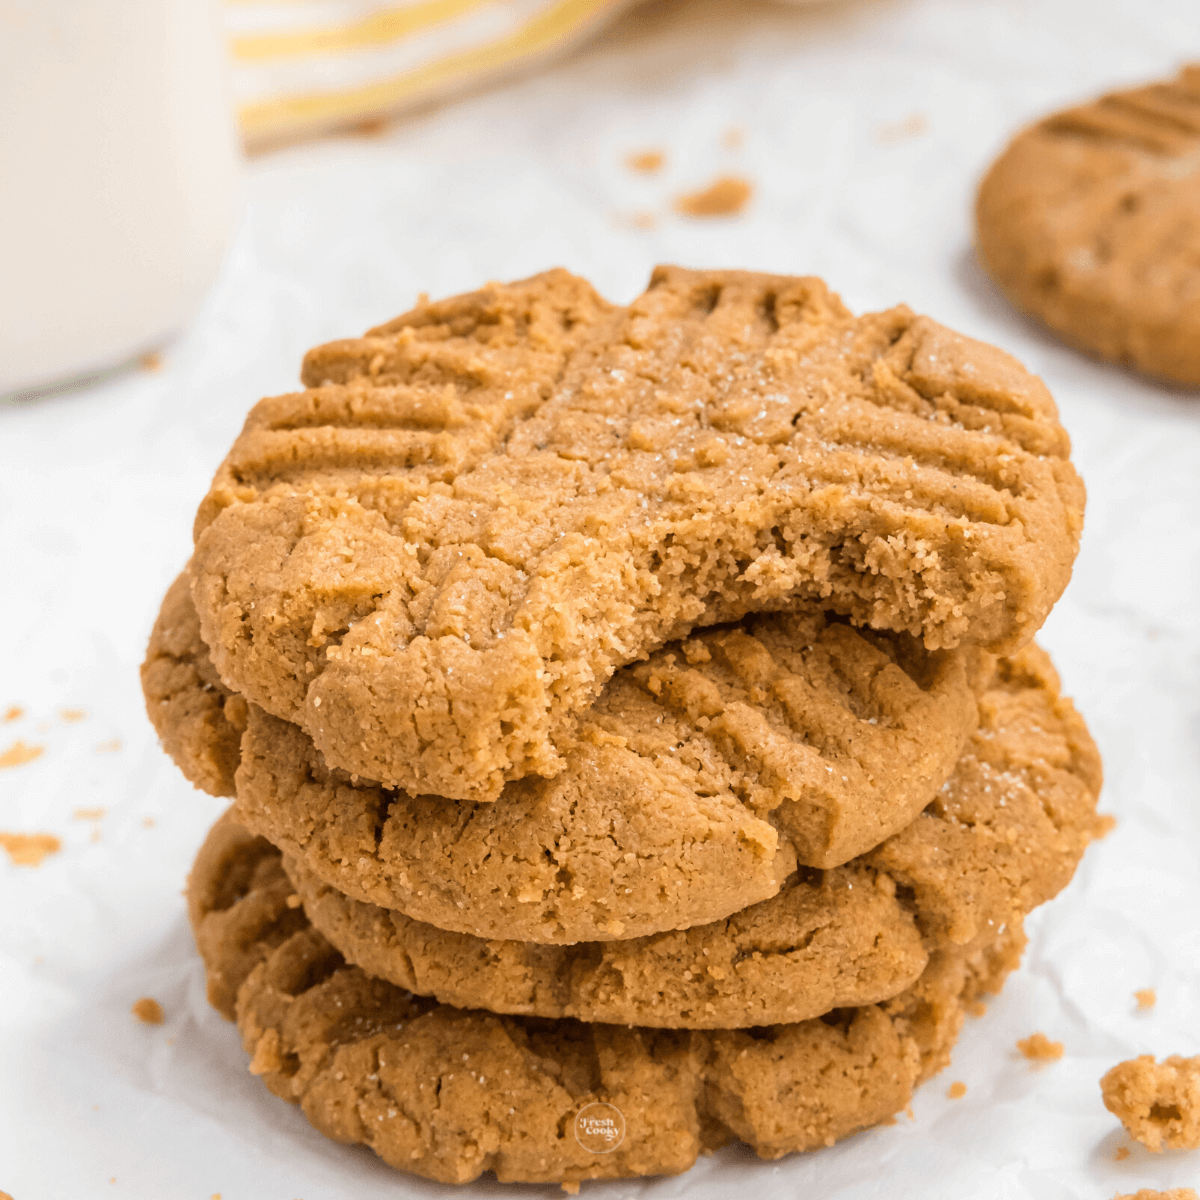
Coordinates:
371	126
976	1008
1122	1153
1157	1102
266	1054
109	747
1105	824
28	849
1039	1048
912	126
1147	998
726	196
1151	1194
153	361
14	713
293	901
570	1187
148	1011
89	814
148	822
957	1090
19	753
646	162
72	714
216	1196
733	137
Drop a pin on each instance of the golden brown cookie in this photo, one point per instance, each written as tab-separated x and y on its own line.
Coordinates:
1183	1193
198	719
833	939
512	874
449	1093
1087	222
1157	1102
687	771
1004	836
657	823
434	558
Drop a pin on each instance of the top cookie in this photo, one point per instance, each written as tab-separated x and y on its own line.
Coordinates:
438	554
1088	222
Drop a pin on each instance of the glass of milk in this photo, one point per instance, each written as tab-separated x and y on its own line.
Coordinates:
119	180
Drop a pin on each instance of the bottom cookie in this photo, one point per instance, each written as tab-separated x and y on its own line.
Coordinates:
449	1093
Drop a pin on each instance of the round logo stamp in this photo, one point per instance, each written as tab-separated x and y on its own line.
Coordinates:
600	1127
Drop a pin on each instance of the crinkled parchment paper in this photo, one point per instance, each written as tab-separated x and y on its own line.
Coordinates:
863	128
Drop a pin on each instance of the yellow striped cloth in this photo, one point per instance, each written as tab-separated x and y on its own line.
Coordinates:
302	67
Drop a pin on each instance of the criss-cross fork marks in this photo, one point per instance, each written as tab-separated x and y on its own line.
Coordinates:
840	737
1163	118
428	396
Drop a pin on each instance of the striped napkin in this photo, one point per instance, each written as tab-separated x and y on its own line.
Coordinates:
304	67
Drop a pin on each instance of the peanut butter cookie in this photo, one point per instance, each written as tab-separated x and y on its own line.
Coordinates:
1002	837
449	1093
1088	222
696	780
434	558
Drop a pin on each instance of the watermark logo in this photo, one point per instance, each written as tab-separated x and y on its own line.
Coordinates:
599	1127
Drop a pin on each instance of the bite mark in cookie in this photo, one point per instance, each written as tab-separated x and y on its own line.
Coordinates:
1004	836
1087	222
434	559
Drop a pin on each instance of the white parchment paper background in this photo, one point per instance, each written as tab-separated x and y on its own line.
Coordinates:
98	488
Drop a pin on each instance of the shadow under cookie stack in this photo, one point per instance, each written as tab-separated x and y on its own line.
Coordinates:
635	733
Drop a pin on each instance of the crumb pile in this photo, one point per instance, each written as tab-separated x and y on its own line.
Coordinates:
635	733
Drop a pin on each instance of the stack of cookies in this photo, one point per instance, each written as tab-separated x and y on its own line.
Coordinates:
635	732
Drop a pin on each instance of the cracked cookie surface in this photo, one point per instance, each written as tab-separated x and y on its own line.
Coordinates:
449	1093
435	557
696	781
595	863
1087	222
197	718
1002	837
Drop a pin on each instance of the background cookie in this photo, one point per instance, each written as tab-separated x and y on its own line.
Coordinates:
1088	222
833	939
1003	836
449	1093
434	616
